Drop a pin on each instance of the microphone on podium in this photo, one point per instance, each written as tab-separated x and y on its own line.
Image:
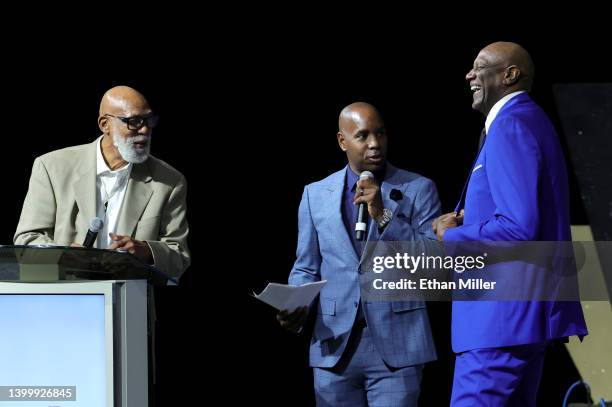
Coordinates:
362	215
95	226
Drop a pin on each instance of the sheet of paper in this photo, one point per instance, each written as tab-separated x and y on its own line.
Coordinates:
290	297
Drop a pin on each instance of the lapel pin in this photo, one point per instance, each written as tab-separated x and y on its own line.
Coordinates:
396	195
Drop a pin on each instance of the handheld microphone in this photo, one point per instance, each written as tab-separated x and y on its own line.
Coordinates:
362	214
94	227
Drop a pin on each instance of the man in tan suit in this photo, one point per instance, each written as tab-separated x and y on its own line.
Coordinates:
140	198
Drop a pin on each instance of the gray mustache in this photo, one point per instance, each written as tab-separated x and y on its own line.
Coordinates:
138	139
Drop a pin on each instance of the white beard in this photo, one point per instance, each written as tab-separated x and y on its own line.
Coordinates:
127	150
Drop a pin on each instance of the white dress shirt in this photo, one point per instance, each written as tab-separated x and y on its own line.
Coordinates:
110	186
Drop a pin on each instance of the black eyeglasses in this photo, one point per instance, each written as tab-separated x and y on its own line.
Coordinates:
137	122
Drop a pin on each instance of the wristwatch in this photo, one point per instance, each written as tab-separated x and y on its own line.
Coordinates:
385	218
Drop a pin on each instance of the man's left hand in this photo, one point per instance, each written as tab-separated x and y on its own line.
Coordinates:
446	221
135	247
368	192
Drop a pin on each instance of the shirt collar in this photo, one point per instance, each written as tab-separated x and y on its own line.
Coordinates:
351	178
101	166
497	107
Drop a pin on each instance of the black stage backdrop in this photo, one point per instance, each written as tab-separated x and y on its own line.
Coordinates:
249	122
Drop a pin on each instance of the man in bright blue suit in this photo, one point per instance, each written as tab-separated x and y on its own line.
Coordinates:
517	191
362	353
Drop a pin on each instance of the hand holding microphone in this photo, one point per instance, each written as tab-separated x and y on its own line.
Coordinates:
367	193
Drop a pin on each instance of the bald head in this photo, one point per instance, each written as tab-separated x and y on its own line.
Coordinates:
510	53
123	101
355	113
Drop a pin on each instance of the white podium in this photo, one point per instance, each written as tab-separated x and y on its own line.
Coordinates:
71	333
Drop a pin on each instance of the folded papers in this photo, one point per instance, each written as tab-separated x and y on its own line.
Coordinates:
290	297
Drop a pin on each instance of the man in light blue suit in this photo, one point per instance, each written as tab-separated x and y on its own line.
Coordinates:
362	353
517	191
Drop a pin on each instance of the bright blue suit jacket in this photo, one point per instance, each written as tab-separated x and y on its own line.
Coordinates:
517	191
400	330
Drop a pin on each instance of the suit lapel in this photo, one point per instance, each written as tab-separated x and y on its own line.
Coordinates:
136	198
84	187
461	203
334	214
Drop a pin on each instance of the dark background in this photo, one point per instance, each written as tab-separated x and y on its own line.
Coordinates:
249	122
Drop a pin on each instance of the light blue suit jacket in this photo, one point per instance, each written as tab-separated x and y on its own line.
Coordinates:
517	191
400	330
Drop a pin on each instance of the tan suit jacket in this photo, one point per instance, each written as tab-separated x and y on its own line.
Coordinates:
61	201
